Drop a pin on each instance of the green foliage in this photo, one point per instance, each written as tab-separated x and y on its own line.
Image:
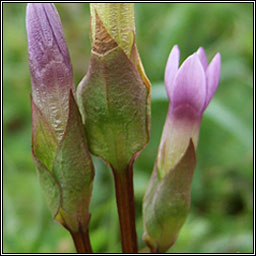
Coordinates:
221	217
113	100
167	202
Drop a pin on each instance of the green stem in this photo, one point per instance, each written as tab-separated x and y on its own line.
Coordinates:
126	209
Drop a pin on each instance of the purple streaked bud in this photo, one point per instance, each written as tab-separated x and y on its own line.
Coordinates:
50	66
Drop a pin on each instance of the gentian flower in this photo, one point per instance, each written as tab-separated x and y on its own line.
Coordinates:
167	200
59	148
190	89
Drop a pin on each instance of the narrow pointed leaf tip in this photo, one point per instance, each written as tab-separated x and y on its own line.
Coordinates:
193	84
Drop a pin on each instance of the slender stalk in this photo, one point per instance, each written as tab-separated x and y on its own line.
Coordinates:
81	240
126	209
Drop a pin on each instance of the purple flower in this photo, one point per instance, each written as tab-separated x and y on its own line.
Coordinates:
50	66
190	89
59	148
191	86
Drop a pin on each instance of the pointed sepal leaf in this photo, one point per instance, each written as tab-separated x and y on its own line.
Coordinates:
113	100
50	186
74	171
167	202
44	142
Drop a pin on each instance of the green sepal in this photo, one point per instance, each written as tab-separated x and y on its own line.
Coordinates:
44	146
64	168
74	171
44	142
113	100
50	186
167	202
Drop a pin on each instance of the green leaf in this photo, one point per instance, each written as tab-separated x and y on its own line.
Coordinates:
74	171
44	142
44	146
114	103
167	202
50	187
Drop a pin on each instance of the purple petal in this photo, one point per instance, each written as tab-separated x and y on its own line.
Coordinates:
50	66
189	90
46	44
171	69
212	77
202	57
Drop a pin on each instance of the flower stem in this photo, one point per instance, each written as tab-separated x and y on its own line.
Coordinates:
126	208
81	240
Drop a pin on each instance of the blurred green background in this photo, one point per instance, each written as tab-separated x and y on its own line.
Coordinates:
221	217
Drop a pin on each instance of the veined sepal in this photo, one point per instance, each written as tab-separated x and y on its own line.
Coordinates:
114	99
64	168
167	201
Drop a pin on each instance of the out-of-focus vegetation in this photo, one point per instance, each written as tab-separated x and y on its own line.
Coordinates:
221	218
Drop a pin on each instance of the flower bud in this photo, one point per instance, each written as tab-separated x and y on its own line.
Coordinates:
50	66
59	148
114	96
118	20
167	200
190	89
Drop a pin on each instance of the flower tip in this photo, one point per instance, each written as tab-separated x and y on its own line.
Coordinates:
213	77
29	15
175	52
171	68
200	50
202	57
190	85
217	58
45	34
214	67
175	48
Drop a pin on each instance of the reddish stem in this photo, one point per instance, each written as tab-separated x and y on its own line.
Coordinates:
126	209
81	240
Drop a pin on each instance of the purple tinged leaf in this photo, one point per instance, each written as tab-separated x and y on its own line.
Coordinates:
212	76
189	87
171	69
